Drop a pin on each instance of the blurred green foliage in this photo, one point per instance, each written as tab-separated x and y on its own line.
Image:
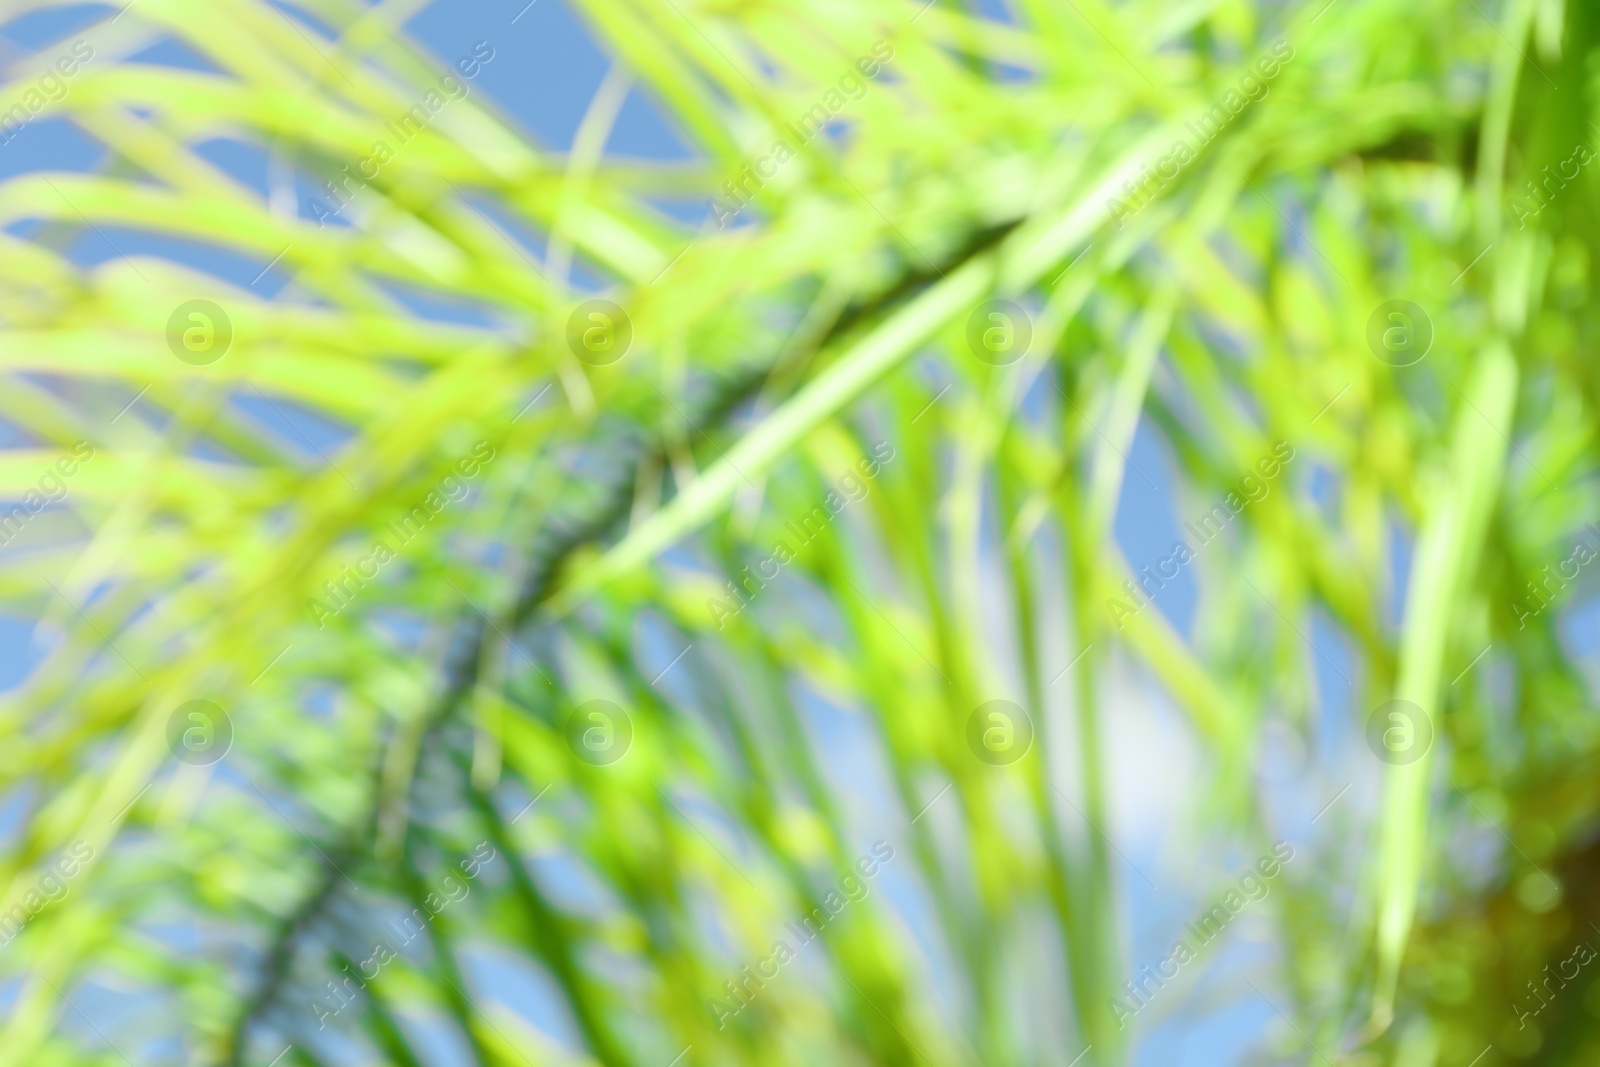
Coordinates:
377	748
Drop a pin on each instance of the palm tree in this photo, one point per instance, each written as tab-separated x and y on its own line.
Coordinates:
543	631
